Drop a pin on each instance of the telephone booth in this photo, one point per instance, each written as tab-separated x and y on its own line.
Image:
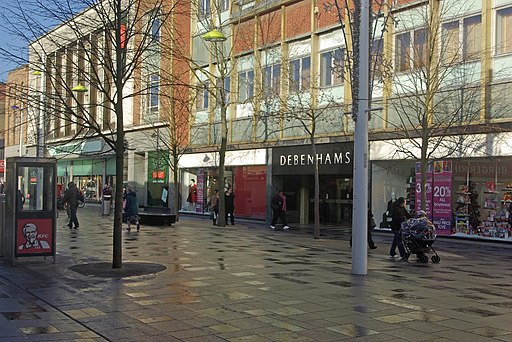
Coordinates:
30	211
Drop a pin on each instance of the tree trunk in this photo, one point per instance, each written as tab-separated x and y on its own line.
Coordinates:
117	257
221	219
317	194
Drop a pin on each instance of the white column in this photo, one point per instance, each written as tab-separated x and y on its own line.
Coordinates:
360	215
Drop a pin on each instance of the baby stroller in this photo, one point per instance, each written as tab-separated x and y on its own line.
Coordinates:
418	235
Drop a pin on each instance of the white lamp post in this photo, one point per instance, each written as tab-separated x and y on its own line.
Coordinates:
360	210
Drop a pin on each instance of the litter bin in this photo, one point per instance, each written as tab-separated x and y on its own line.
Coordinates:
106	205
2	224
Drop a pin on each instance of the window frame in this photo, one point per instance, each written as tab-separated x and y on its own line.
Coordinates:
332	75
271	79
299	80
245	85
500	49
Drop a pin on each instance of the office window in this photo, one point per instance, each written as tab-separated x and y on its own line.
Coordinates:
403	52
272	79
331	67
472	37
155	29
202	96
450	42
223	5
245	85
300	74
504	31
154	93
420	48
377	58
204	8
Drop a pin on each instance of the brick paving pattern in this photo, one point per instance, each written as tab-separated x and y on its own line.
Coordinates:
248	283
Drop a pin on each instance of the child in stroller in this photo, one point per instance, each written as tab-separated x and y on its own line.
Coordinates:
418	235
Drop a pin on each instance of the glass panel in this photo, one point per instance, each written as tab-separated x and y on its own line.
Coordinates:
403	46
30	188
472	37
420	48
504	31
305	73
294	75
450	42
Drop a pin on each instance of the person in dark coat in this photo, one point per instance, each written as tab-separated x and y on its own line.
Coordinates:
398	215
371	225
131	209
278	205
20	199
230	205
71	199
214	206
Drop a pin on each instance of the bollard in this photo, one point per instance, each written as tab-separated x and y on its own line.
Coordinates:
106	205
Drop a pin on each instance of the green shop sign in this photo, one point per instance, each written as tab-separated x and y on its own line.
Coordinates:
158	167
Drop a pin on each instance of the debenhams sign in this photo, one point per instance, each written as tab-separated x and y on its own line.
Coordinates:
331	158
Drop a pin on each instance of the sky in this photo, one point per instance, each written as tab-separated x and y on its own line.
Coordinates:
5	65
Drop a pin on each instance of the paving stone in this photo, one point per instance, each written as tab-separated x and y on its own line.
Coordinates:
242	284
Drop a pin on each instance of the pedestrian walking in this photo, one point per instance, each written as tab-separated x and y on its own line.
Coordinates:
230	205
398	215
71	197
214	207
371	225
131	208
1	185
278	205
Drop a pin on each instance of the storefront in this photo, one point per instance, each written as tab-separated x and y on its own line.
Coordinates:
469	197
87	163
245	173
293	172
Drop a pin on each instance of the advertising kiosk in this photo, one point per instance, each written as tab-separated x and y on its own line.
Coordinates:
30	212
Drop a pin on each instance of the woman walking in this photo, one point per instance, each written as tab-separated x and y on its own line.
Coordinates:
131	209
398	215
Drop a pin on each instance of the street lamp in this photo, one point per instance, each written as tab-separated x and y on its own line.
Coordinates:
79	89
360	211
216	36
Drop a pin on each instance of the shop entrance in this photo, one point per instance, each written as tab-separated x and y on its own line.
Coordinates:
335	200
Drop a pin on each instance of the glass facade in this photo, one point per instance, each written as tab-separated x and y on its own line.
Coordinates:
464	197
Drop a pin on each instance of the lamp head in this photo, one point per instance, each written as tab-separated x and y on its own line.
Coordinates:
79	88
214	36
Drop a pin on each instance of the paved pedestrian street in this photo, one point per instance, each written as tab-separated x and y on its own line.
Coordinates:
249	283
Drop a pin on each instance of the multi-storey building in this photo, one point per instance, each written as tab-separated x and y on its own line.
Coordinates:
440	71
71	122
16	117
444	66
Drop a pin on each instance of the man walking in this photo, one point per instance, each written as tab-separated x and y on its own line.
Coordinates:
71	199
278	205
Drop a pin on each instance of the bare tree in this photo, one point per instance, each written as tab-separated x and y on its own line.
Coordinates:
111	46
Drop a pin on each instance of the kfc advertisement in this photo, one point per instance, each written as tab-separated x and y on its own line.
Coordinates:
34	237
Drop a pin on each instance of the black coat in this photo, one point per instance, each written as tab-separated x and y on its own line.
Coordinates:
230	202
277	202
398	215
71	196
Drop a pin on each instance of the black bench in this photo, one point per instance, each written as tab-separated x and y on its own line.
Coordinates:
156	216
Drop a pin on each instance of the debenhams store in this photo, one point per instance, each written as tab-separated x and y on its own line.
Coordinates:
293	172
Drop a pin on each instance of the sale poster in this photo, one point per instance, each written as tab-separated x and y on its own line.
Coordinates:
428	190
200	191
442	196
34	237
438	206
